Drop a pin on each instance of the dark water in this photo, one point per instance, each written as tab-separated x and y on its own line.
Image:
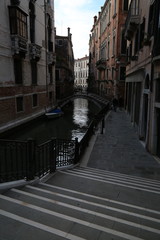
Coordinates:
74	122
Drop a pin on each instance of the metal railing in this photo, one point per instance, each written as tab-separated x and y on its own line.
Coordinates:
27	160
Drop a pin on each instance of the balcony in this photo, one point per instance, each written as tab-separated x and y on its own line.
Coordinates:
101	64
19	45
51	58
35	51
132	20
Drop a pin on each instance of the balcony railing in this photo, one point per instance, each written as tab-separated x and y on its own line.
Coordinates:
19	44
133	19
35	51
51	58
101	64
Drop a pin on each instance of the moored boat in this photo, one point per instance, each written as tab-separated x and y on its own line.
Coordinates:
54	113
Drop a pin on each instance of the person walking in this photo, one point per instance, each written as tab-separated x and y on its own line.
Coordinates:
115	104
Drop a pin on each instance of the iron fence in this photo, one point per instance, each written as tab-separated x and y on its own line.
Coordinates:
13	160
26	160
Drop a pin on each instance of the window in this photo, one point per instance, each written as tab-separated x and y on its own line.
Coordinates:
151	20
34	72
114	44
136	43
19	104
108	50
135	7
18	21
115	7
107	73
32	21
50	96
122	73
50	43
125	5
57	75
18	71
50	73
60	42
113	69
34	100
142	30
123	43
109	12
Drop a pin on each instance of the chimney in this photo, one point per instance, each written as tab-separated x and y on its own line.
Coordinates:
68	32
95	19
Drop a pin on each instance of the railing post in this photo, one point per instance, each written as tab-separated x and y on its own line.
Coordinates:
31	144
53	155
76	158
102	125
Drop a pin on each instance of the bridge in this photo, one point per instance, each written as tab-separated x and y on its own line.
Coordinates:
98	100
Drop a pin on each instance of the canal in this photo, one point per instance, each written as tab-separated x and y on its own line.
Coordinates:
74	122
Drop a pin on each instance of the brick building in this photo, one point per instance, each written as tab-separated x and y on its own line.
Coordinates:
108	50
143	71
64	66
81	73
27	56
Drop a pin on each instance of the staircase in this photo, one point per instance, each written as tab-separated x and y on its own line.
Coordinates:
82	203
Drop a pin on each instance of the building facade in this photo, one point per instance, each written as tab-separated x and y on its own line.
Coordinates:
64	66
81	73
108	50
27	56
143	71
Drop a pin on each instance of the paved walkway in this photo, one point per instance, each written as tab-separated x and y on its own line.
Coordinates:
118	149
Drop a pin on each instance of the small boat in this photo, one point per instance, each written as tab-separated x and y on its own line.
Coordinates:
54	113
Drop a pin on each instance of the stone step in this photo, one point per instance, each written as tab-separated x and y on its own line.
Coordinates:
70	209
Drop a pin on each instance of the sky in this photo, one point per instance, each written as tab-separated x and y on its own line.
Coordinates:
78	15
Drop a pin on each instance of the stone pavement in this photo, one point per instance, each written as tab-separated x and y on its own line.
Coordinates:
118	149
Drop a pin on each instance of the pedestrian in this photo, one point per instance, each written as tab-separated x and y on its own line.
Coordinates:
121	103
115	104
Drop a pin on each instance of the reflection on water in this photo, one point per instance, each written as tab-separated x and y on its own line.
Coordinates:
72	124
80	112
80	117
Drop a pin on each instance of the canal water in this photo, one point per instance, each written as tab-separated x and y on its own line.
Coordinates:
74	122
